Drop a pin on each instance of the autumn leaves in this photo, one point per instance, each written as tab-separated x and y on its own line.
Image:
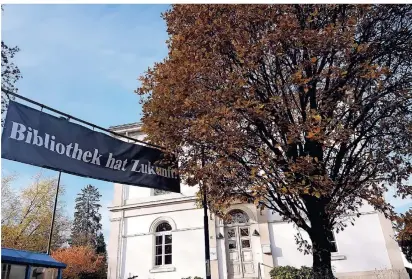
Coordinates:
296	108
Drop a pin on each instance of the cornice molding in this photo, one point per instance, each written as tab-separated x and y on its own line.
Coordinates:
153	203
126	127
152	233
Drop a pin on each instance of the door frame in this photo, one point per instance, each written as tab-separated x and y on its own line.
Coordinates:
238	238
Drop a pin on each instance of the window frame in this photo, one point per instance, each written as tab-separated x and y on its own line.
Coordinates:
163	236
159	192
334	242
234	221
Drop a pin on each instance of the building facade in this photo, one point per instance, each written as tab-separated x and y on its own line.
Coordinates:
159	235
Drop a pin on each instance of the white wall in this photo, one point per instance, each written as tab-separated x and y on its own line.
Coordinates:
187	244
363	246
187	257
135	194
273	216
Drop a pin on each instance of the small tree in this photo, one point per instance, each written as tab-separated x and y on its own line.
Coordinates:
101	251
302	109
86	224
82	262
101	245
27	214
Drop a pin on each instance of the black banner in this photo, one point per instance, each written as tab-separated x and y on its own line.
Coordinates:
37	138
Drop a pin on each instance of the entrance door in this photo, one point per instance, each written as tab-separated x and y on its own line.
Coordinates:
239	247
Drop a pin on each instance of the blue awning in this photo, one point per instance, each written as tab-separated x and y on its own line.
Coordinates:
21	257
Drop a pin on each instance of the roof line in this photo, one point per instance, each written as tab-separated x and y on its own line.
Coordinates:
127	125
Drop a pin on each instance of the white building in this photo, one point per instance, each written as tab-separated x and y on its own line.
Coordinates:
160	236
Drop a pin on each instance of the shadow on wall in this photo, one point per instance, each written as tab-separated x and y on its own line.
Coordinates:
409	270
124	247
276	251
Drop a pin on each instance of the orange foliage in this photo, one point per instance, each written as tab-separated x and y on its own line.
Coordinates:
403	225
79	260
289	97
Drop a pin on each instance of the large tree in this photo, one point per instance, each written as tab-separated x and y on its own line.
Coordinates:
86	223
302	109
27	213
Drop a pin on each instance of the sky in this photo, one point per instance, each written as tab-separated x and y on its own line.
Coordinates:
83	60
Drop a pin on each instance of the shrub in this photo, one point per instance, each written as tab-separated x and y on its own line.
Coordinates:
82	262
290	272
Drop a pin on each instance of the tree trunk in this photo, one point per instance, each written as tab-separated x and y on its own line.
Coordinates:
320	235
320	226
321	255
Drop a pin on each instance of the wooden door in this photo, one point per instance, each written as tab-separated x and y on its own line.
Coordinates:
240	255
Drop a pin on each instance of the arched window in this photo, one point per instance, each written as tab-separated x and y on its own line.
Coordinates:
237	216
163	244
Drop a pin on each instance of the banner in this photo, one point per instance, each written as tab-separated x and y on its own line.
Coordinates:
37	138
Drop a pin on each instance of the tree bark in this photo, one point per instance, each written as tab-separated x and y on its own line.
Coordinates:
320	235
321	255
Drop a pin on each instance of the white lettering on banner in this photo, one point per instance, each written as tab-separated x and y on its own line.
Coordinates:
37	139
135	165
86	156
151	169
96	159
77	152
118	165
110	161
60	148
68	148
20	132
52	143
17	131
124	165
28	139
46	141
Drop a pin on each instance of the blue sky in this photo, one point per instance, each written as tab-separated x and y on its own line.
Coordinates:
83	60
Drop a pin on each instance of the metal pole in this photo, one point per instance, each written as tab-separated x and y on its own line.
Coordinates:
27	274
54	215
206	230
78	119
206	226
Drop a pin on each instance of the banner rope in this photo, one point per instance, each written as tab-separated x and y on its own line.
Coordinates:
77	119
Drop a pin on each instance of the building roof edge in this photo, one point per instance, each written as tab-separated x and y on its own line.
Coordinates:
128	126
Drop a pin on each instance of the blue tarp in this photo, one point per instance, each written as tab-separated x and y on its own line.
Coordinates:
21	257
